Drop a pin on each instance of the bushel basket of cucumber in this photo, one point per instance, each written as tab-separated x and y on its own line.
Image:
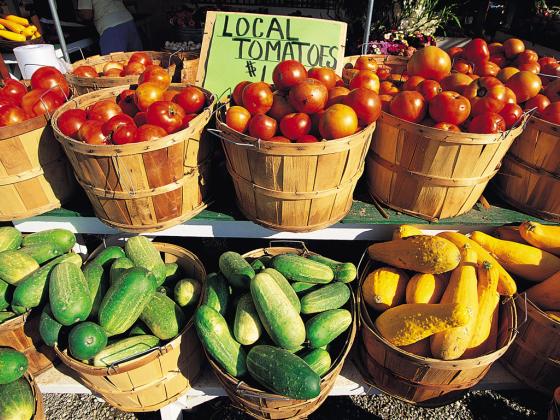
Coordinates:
277	324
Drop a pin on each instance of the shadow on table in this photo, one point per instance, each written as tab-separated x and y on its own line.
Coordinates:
511	405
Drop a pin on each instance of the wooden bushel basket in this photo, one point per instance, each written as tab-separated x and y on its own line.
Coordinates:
530	177
266	405
420	380
430	173
534	357
162	375
35	176
22	334
82	85
39	406
293	187
147	186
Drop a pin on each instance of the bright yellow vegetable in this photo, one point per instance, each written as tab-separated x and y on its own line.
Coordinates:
18	19
384	288
409	323
11	35
30	30
12	26
509	233
404	231
462	288
425	288
36	35
2	27
523	260
542	236
546	294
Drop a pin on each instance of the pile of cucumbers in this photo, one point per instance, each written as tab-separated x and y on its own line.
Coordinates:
16	396
275	319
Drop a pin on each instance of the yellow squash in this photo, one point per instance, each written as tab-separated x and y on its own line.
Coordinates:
542	236
522	260
423	253
18	19
12	36
509	233
29	31
554	315
546	294
384	288
12	26
420	348
425	288
462	288
404	231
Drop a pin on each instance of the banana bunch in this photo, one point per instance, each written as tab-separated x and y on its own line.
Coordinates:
15	28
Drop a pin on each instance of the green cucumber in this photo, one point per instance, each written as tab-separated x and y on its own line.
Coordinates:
15	265
85	340
187	292
331	296
108	254
257	265
236	269
216	293
41	252
144	254
216	338
52	332
10	238
19	310
13	365
125	349
17	401
297	268
247	327
171	269
96	279
6	315
5	295
319	360
125	300
300	286
164	318
266	260
69	294
62	239
326	326
33	290
139	328
343	272
118	267
285	286
283	373
279	318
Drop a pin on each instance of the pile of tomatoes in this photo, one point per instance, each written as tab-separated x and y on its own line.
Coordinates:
136	65
479	88
302	106
149	112
49	90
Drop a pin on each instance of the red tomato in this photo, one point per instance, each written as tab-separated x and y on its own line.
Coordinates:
487	68
325	75
455	82
257	98
552	113
11	115
338	121
527	56
383	72
365	79
339	81
133	68
315	119
366	62
146	94
552	91
262	127
124	134
287	74
524	84
112	65
412	82
238	91
308	96
540	102
115	122
103	110
552	69
511	114
127	104
308	138
141	118
486	94
279	139
237	118
476	50
487	123
500	60
365	103
510	96
5	100
447	127
113	73
85	71
349	73
546	60
429	89
429	62
294	126
188	118
141	57
449	107
48	77
496	48
167	115
191	99
148	132
505	73
90	132
127	93
40	101
409	105
388	88
453	51
386	102
513	47
532	67
157	75
280	106
336	95
13	90
70	121
462	66
168	95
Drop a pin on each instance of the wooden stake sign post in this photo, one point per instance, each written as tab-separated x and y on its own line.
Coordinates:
244	46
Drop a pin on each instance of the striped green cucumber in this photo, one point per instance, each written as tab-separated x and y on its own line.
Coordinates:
187	292
108	254
13	365
300	286
319	360
5	295
33	289
41	252
343	272
17	401
98	284
247	327
285	286
283	373
15	265
257	265
62	239
85	340
326	326
69	294
125	300
216	293
331	296
164	318
297	268
19	310
139	328
236	269
216	338
125	349
6	315
52	332
10	238
118	267
279	318
144	254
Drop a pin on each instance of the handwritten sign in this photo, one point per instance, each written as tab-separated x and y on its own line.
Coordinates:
245	46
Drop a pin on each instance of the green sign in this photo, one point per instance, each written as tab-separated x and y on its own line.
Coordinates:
244	46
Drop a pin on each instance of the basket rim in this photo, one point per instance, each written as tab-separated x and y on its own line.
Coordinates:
16	320
540	312
24	127
37	394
